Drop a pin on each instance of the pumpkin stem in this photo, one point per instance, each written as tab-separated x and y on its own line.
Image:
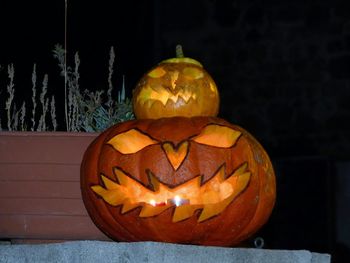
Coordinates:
179	52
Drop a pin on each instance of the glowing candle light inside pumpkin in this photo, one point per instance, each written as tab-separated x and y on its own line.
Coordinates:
153	202
177	200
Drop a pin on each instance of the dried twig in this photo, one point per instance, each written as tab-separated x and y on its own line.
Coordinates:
11	92
33	97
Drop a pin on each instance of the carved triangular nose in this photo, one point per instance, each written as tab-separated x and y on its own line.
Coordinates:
176	155
174	76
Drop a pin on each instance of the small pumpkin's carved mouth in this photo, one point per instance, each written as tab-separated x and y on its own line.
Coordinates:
149	95
212	197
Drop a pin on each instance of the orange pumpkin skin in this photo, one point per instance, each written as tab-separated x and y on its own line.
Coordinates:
176	87
212	217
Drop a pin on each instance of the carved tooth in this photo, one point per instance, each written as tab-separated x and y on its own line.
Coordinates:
150	210
127	206
183	212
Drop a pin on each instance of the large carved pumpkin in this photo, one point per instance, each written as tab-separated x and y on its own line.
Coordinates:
198	180
176	87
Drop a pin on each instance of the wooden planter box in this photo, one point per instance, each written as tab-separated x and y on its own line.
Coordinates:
40	195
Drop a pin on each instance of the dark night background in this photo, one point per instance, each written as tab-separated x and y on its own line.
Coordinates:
282	68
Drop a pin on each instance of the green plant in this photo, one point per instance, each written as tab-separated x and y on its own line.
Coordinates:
84	110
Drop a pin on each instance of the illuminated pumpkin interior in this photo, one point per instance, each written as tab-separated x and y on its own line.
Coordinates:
157	73
176	155
219	136
149	94
193	73
212	197
131	141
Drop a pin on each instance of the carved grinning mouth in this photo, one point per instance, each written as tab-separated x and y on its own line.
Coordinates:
211	198
149	95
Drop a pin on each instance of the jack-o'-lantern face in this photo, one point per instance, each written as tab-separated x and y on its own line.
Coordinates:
177	87
171	175
211	196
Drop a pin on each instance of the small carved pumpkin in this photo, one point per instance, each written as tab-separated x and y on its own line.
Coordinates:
176	87
198	180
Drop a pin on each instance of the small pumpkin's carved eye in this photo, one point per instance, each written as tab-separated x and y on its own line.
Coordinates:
131	141
193	73
157	73
218	136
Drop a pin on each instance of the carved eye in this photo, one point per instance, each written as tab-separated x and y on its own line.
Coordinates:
157	73
131	141
193	73
219	136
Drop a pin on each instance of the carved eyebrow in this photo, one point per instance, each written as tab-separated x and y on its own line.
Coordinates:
131	141
158	72
193	73
219	136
